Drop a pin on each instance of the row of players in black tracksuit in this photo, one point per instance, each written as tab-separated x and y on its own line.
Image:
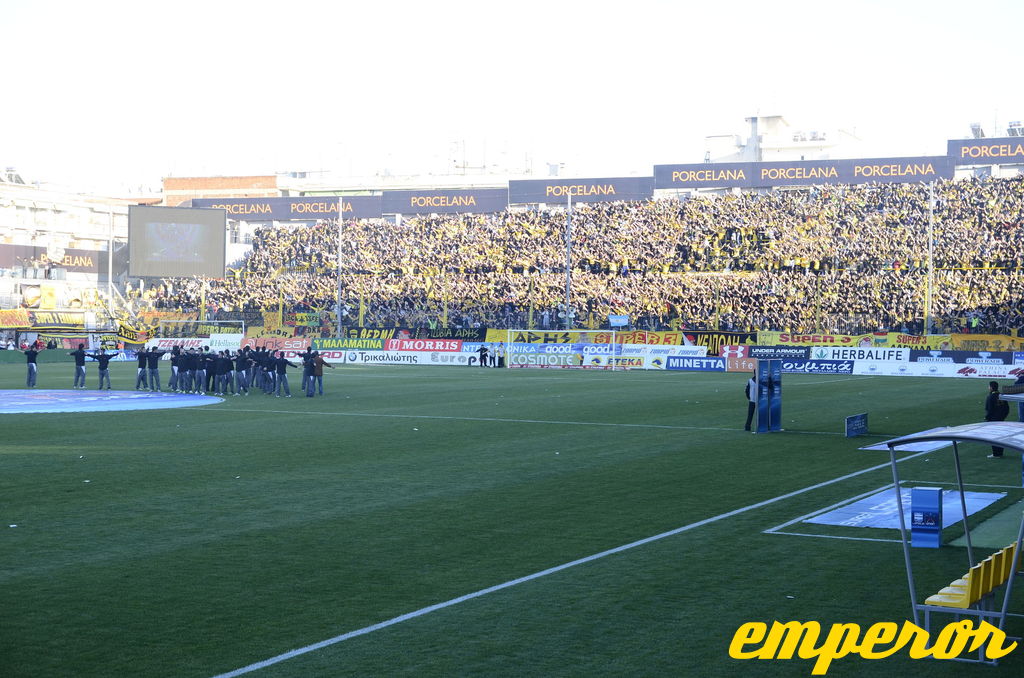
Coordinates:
221	372
194	371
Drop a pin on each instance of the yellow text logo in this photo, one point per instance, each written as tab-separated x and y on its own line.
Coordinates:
806	641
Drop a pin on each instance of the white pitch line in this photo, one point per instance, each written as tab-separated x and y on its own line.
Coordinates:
291	654
835	536
940	482
848	500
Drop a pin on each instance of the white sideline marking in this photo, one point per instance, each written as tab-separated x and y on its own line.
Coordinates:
834	536
291	654
940	482
844	502
778	528
523	421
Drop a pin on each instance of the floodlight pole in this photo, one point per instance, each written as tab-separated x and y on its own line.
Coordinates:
568	261
931	243
341	211
110	262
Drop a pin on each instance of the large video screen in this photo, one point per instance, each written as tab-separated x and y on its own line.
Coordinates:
176	242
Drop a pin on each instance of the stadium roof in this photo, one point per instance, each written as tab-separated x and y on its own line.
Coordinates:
998	433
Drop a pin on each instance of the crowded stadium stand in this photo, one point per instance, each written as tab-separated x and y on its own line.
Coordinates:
911	245
837	258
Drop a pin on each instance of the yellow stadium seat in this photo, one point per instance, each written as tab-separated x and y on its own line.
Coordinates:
998	570
957	597
1008	561
987	575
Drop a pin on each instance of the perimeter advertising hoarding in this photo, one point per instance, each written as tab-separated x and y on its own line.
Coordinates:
475	200
557	191
176	242
294	209
963	357
709	364
898	355
716	341
776	352
1004	150
465	334
576	337
817	366
442	358
973	370
804	172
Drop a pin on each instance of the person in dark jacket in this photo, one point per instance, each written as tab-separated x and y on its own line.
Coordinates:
269	372
995	410
199	379
251	376
153	364
307	373
103	359
751	392
281	365
172	383
306	356
242	372
195	364
318	370
79	357
210	357
33	369
223	368
140	377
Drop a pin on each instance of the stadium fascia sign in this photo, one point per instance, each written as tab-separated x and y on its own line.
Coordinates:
558	191
803	172
473	200
74	260
294	209
1005	150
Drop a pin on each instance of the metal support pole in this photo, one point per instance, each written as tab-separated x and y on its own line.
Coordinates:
1013	574
963	504
568	262
903	534
929	281
110	262
341	211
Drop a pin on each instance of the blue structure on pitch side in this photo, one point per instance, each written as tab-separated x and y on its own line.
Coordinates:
926	517
769	396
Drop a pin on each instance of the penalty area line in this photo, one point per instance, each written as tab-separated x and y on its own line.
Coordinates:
291	654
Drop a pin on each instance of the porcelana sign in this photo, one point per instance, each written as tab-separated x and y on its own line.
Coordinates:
783	640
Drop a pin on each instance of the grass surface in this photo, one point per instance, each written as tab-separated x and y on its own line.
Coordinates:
211	538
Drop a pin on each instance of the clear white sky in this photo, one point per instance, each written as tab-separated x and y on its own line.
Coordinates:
121	93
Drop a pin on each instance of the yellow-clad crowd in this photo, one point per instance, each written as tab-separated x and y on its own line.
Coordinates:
835	258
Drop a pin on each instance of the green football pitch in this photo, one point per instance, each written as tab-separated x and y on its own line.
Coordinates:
466	522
